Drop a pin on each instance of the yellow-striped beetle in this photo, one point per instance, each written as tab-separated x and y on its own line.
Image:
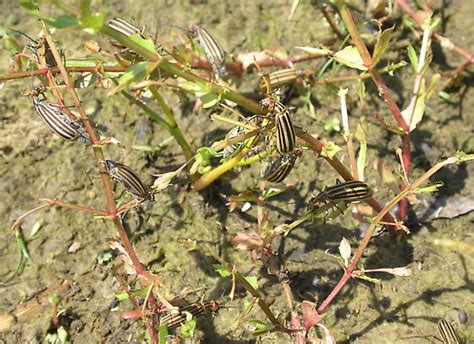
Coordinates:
447	333
352	191
280	78
128	29
215	54
56	120
125	175
277	170
174	320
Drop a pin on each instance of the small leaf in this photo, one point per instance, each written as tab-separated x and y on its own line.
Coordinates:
350	57
345	250
401	272
330	149
93	22
62	22
63	335
189	327
221	270
163	334
30	6
209	99
202	162
383	39
252	280
315	51
413	57
248	306
429	188
147	44
368	279
136	73
413	114
362	156
446	97
36	228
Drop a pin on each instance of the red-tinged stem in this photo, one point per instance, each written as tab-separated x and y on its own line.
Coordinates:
419	20
109	195
368	235
93	211
42	71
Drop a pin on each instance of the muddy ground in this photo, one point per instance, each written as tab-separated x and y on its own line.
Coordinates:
36	165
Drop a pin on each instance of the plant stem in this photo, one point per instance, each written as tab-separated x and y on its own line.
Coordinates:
174	129
106	182
368	235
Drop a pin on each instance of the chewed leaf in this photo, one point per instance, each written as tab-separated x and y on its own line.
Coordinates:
330	150
350	57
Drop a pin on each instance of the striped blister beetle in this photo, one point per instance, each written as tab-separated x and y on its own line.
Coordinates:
130	180
285	131
277	170
172	321
352	191
40	49
214	52
128	29
279	78
56	120
447	333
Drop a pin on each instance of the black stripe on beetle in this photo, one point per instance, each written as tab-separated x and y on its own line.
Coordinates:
56	120
285	131
276	171
351	192
447	333
214	52
130	180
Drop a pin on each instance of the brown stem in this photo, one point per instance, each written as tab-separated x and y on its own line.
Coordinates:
99	155
42	71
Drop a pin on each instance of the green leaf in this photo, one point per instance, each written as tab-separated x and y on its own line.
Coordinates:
248	306
63	335
85	62
121	296
202	162
21	244
30	6
446	97
362	156
252	280
464	156
315	51
261	327
221	270
136	73
429	188
189	327
350	57
411	115
413	57
85	7
93	22
36	228
209	99
383	39
62	22
330	149
144	43
163	334
368	279
333	125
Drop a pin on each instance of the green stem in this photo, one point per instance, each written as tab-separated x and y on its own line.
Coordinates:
174	129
